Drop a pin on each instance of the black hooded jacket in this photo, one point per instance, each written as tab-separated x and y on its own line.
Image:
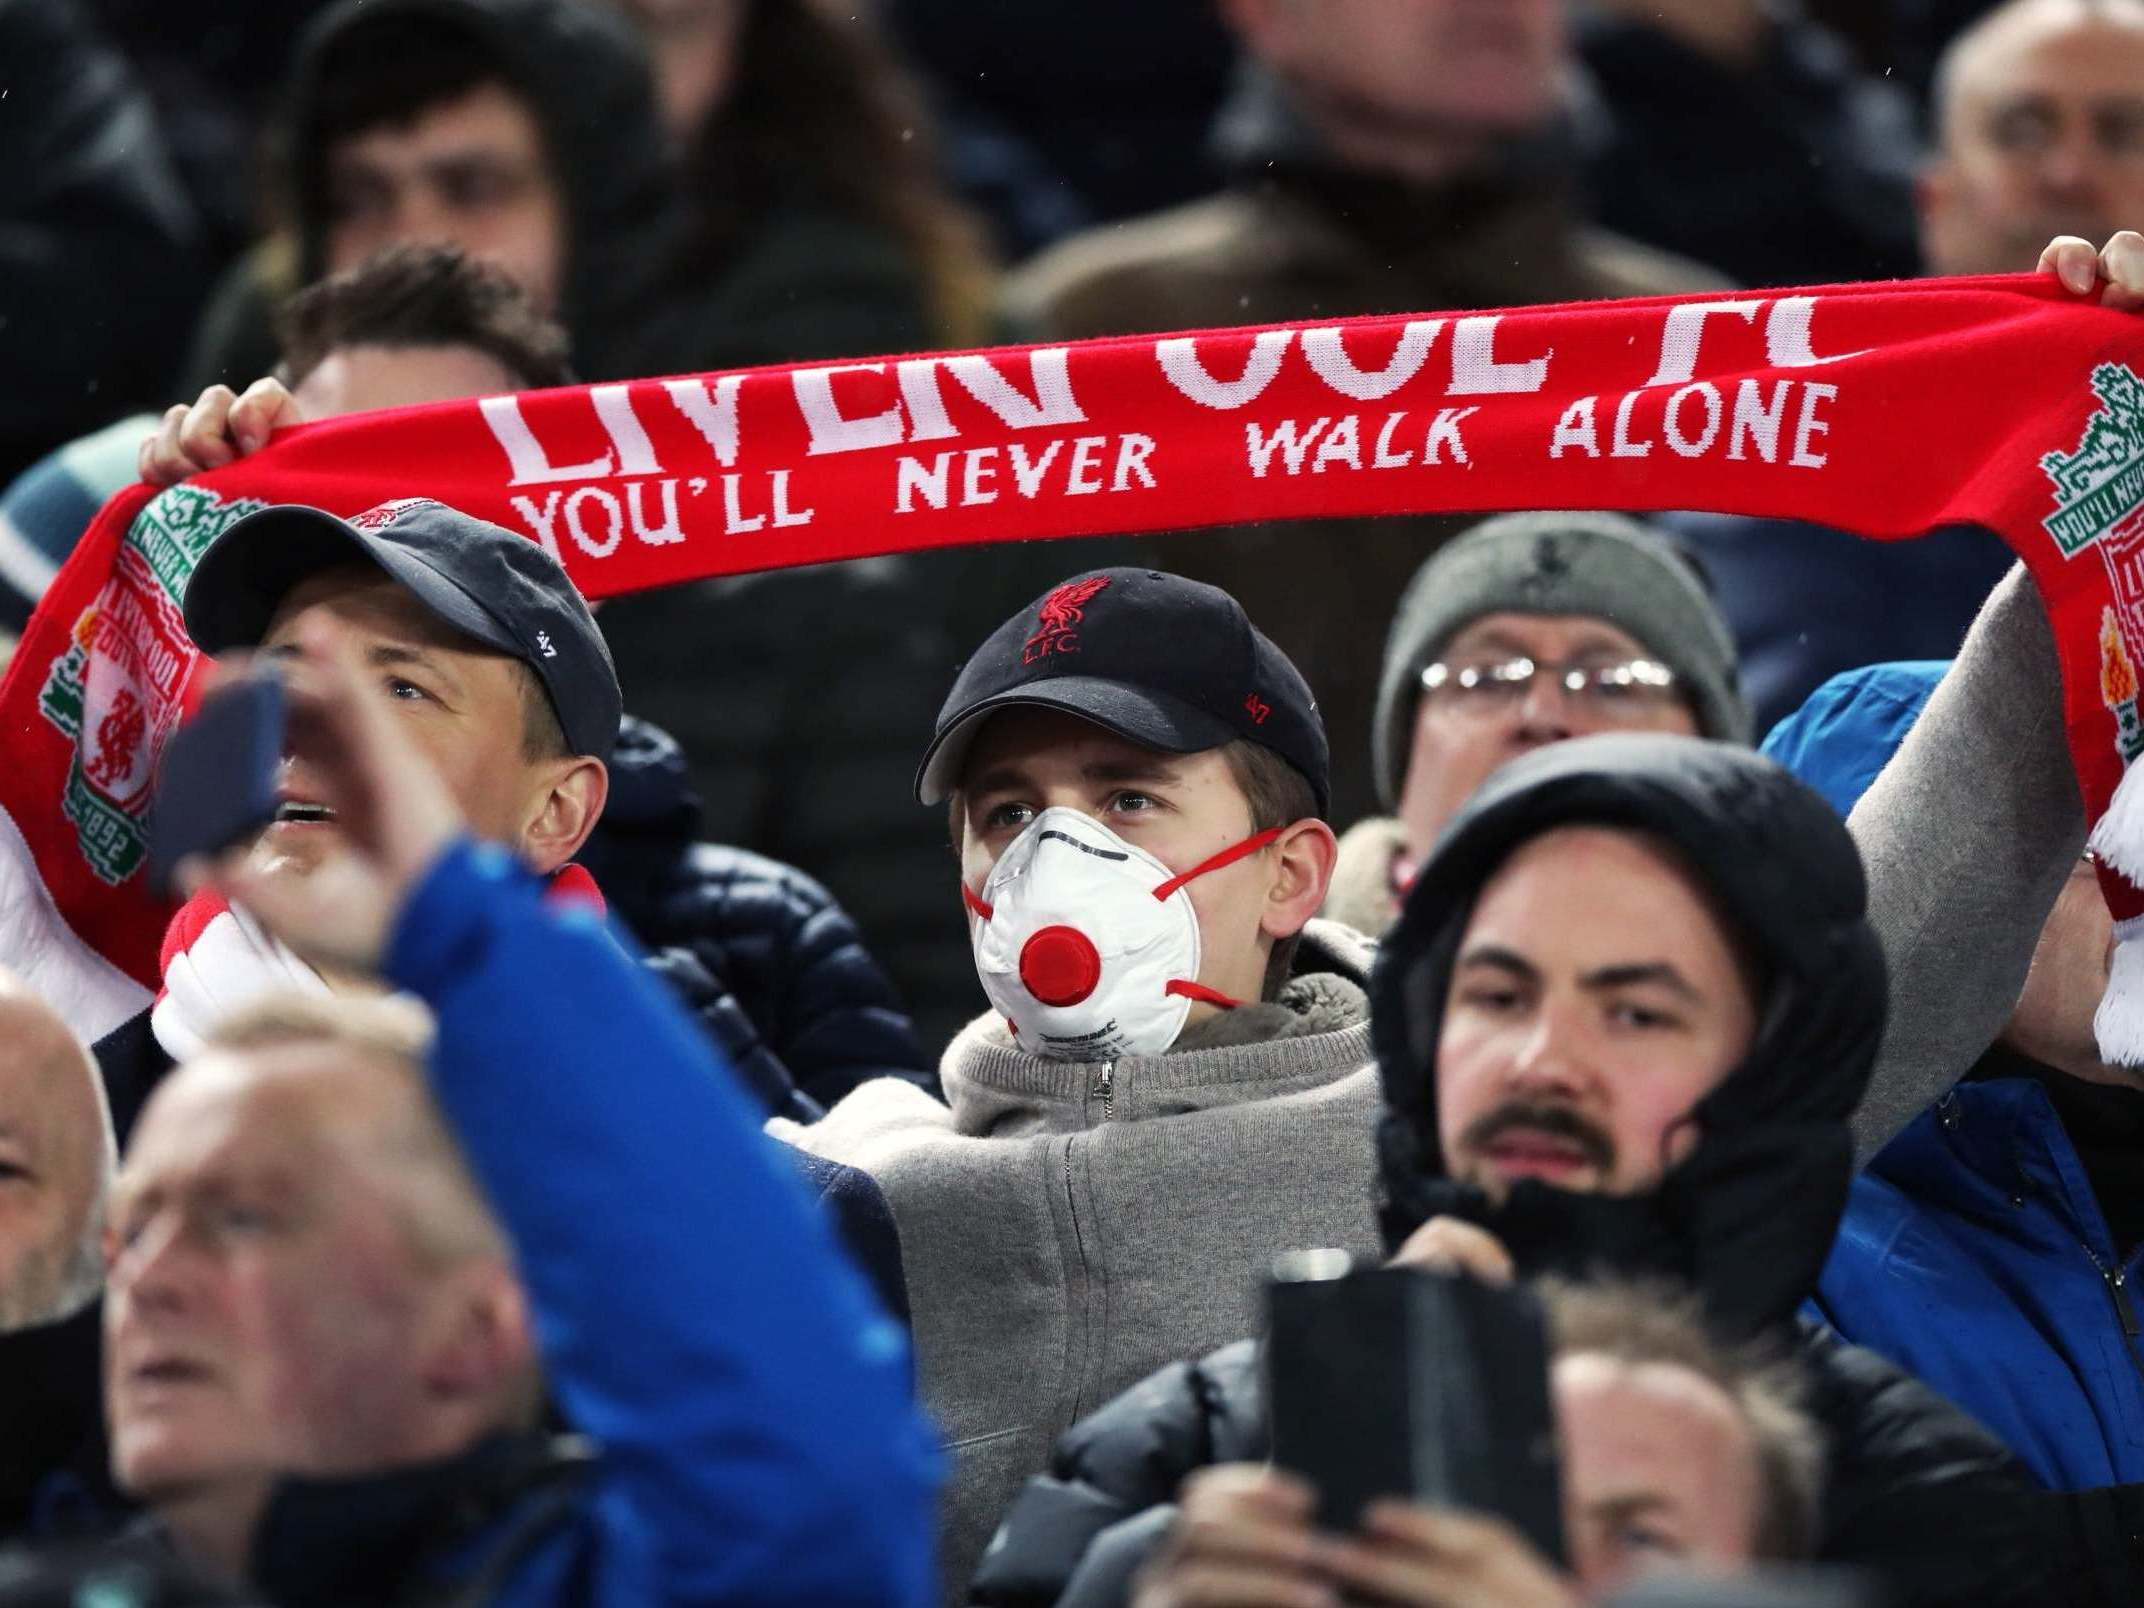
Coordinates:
1917	1494
1748	1219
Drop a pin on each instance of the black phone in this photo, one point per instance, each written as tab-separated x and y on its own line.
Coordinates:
217	785
1399	1382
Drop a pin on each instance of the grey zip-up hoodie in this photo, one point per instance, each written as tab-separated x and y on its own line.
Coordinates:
1069	1227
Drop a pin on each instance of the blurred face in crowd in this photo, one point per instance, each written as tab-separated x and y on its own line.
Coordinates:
1660	1471
358	379
2041	128
55	1165
471	173
2053	1020
1181	808
1461	736
466	707
693	44
1597	996
1375	76
297	1286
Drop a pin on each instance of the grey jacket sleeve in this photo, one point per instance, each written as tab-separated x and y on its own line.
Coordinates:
1968	836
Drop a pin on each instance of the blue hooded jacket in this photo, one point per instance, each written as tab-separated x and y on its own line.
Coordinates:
756	1438
1973	1252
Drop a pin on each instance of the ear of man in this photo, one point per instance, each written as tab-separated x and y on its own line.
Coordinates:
1302	857
567	796
484	1352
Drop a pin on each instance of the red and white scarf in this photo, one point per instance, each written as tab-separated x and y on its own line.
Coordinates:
217	959
1887	409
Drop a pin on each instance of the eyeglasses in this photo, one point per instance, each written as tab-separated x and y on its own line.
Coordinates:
1631	687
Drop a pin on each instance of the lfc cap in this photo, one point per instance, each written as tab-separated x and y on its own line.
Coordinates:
1168	663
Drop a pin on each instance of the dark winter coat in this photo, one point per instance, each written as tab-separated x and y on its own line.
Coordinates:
55	1474
101	251
763	954
1296	235
1919	1495
1909	1475
1794	170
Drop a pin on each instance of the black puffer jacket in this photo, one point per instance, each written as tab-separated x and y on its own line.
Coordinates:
761	952
1918	1494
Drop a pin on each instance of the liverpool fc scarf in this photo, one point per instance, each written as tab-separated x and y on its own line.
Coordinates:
1884	409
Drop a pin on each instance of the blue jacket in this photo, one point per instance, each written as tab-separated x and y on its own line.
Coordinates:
757	1439
1974	1254
1973	1251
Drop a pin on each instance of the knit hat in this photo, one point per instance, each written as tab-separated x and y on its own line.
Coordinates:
1604	566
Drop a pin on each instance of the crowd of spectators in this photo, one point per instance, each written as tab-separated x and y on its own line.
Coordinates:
679	1115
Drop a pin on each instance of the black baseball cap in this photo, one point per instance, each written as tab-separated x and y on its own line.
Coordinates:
488	583
1161	661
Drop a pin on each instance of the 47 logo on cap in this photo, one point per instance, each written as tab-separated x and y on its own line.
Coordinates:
380	516
1059	617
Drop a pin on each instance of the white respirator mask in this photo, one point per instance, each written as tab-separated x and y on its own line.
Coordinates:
1086	944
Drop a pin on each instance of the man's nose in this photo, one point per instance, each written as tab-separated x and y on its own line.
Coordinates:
1547	1062
1547	711
420	217
2074	166
154	1270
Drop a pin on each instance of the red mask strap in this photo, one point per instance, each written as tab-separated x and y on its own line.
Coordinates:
969	898
1200	992
1242	851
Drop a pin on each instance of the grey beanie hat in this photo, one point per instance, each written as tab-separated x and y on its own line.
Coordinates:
1604	566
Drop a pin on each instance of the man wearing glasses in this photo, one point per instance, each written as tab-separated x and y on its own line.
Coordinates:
1528	629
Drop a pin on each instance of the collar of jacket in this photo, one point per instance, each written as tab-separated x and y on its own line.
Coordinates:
2005	1133
1261	139
380	1538
1316	1033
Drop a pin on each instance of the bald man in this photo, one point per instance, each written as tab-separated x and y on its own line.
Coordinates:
2039	111
56	1160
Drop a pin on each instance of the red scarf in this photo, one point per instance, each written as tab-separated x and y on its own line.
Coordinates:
1887	409
216	959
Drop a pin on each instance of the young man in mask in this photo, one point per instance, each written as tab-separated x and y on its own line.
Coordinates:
1169	1088
1623	1022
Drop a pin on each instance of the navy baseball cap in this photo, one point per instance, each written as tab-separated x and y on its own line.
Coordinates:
488	583
1165	662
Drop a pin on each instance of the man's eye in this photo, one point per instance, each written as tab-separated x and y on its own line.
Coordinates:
353	199
1627	1013
1008	815
408	691
1490	999
243	1220
1644	1538
1134	803
470	188
2025	130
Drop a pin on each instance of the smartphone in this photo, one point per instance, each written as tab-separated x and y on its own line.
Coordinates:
1395	1382
217	785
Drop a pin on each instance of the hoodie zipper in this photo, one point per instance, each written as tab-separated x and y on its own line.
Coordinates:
2125	1309
2117	1281
1105	1088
